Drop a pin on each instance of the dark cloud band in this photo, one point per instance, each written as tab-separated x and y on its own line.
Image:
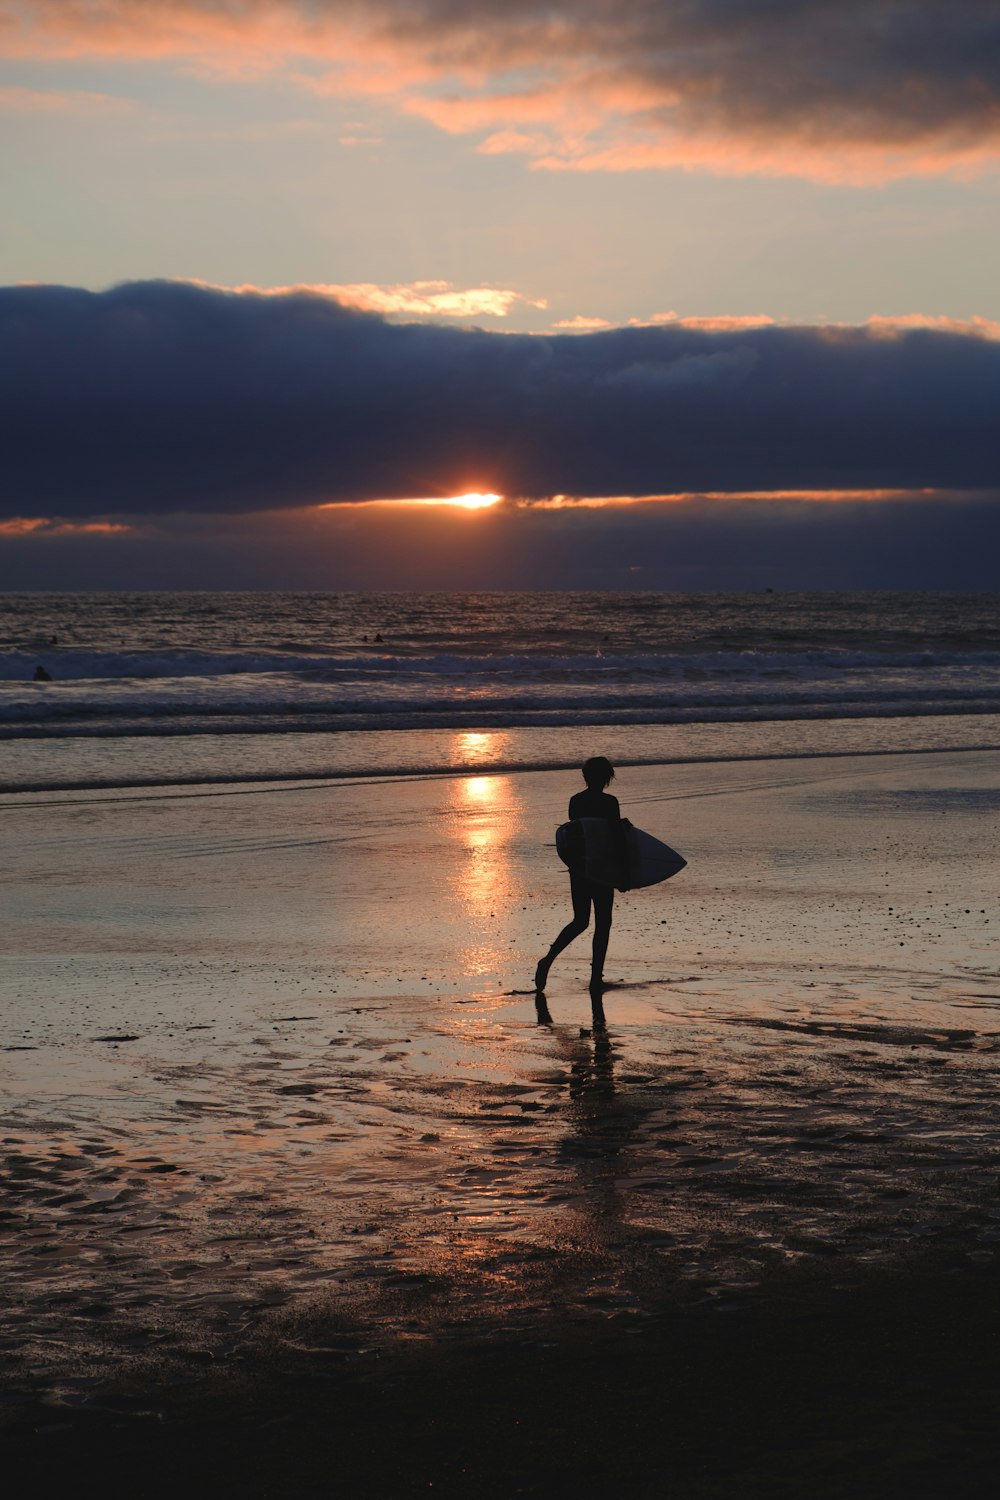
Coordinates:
158	396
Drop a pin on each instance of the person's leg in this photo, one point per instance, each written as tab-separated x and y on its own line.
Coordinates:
604	900
580	890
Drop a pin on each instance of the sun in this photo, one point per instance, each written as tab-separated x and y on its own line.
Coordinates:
474	500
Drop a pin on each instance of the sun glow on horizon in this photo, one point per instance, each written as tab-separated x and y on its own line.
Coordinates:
471	500
474	500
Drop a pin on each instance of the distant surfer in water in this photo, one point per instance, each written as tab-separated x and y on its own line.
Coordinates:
593	802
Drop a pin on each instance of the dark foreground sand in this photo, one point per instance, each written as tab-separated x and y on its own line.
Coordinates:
300	1197
889	1386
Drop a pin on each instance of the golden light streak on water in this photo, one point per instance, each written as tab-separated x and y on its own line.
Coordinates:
485	819
478	747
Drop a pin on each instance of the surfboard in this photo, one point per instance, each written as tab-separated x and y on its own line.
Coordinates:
587	844
650	860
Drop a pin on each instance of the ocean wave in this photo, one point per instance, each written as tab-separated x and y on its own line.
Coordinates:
18	666
487	717
110	693
158	688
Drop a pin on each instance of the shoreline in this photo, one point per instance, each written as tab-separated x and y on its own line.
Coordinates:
459	754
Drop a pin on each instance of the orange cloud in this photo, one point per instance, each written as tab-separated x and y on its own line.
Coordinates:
879	326
24	101
606	502
673	142
423	299
430	299
721	323
855	95
145	30
441	299
55	526
581	324
984	328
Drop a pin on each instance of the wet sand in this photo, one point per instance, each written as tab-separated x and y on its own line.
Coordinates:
284	1141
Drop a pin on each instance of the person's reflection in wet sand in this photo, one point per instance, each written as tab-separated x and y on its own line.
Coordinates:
591	1069
592	1075
596	1148
603	1119
596	1007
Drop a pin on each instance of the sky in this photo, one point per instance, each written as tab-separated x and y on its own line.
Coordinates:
696	293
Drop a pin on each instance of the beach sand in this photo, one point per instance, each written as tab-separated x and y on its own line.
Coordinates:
300	1193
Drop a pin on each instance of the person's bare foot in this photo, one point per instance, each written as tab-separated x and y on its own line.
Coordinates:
542	1010
541	976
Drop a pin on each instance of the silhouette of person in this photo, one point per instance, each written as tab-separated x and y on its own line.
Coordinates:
593	802
41	675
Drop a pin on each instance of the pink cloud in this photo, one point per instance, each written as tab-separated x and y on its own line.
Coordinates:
879	325
835	92
581	324
720	323
819	497
635	147
984	328
62	102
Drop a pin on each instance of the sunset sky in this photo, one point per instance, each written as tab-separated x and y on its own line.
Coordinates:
704	290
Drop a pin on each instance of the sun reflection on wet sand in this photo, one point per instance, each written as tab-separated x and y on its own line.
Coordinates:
485	817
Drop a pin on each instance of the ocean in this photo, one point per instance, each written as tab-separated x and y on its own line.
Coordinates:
155	689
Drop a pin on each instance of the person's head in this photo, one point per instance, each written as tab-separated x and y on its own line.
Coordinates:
597	772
